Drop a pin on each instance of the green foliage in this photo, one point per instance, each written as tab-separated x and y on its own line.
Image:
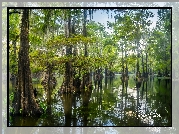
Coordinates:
49	41
14	32
11	110
11	96
61	40
13	65
43	105
20	111
14	29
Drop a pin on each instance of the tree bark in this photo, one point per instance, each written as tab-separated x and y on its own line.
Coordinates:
143	66
24	101
84	29
86	77
138	56
146	68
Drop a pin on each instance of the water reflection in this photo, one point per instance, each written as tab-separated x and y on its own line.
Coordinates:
118	103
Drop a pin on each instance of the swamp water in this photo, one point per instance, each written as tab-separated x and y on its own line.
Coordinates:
116	104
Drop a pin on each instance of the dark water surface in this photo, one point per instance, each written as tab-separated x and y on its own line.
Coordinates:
116	104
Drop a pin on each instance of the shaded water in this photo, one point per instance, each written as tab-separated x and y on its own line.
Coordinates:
116	104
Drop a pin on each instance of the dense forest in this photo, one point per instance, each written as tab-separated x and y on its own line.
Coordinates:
44	43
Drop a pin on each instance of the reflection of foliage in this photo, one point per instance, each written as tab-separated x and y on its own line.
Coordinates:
108	99
91	110
161	107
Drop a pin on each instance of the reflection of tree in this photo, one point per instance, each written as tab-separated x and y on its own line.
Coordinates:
131	111
67	104
86	97
160	104
97	111
23	121
137	112
146	91
122	100
101	111
142	90
163	108
134	109
74	100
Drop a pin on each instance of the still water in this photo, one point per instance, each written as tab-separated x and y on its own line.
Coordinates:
116	104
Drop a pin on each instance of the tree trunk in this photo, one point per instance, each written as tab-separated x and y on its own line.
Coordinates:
126	69
147	72
138	55
122	61
106	78
143	72
84	29
86	77
68	66
122	75
24	101
49	87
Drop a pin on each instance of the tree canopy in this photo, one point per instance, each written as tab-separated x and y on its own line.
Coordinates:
131	33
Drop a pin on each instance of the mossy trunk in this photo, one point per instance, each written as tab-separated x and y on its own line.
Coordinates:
24	102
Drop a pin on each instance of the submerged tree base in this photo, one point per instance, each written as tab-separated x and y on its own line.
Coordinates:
31	109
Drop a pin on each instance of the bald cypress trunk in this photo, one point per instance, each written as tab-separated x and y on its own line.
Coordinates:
86	78
68	64
24	102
